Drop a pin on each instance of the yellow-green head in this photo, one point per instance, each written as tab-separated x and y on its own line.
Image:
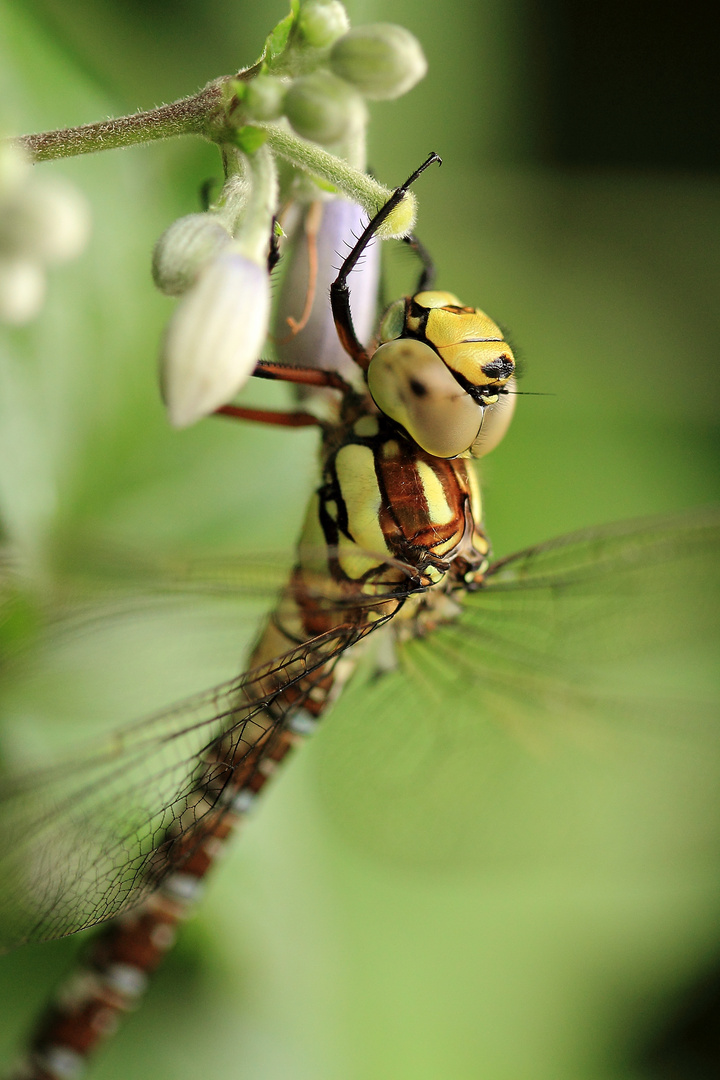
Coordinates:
445	373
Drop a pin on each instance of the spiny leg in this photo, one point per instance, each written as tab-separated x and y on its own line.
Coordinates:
270	416
427	274
300	376
339	290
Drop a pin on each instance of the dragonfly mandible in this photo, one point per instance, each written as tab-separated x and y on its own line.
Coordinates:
393	548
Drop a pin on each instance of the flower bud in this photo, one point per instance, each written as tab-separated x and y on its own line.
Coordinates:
42	221
22	290
214	338
184	249
14	166
55	220
324	108
382	60
263	98
321	23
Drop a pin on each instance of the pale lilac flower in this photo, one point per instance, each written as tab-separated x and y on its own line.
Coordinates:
315	342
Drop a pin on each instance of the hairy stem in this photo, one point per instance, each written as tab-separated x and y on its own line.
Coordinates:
188	116
318	162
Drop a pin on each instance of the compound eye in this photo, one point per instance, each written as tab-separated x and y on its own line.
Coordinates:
410	384
495	422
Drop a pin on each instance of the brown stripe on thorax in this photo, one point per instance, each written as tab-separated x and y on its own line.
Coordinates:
425	499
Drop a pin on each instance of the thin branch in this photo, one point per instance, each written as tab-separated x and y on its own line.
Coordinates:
188	116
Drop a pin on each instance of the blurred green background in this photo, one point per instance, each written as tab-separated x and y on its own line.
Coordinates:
577	204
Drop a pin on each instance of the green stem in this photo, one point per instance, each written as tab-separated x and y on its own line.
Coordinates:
188	116
249	201
312	159
206	114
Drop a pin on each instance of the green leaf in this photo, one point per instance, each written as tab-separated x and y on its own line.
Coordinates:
277	39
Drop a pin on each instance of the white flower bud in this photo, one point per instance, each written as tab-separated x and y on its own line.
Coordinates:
184	249
321	23
382	60
214	338
56	219
324	108
264	98
22	290
14	167
42	221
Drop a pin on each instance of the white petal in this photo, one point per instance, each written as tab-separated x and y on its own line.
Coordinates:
213	340
14	168
58	222
22	290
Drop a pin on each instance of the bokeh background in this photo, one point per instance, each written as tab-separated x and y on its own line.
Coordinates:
578	203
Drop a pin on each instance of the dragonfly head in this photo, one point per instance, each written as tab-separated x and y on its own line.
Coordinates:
444	373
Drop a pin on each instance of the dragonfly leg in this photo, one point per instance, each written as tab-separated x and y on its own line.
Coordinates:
265	369
273	250
427	274
269	416
302	376
340	291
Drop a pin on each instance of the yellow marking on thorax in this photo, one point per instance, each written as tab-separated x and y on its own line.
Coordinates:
440	511
312	546
366	427
353	560
475	496
355	468
444	546
390	449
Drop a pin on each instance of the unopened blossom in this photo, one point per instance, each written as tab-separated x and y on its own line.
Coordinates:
321	22
324	108
214	337
22	290
184	249
43	220
264	98
381	60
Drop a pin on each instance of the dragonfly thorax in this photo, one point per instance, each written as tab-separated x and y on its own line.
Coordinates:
444	373
391	519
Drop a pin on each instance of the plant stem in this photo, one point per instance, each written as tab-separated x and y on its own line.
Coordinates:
207	114
188	116
318	162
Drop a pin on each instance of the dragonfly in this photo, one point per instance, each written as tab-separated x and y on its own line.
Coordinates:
395	600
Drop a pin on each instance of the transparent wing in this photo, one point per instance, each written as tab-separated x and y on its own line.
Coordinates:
565	644
79	842
592	659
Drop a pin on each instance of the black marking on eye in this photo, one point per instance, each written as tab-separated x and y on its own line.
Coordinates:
417	388
501	368
483	395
